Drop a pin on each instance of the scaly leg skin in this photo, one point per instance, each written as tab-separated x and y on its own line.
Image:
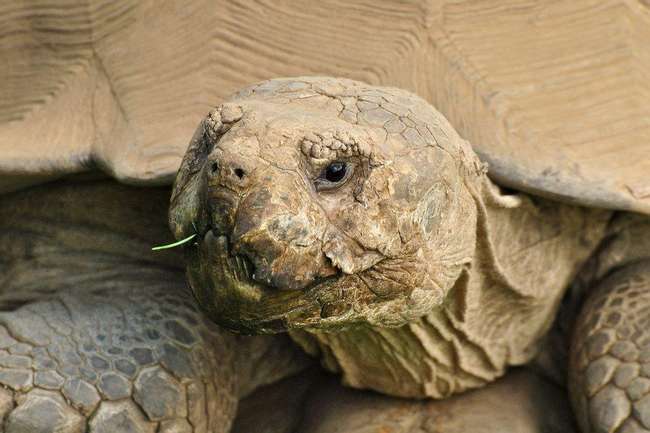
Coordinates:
99	334
117	359
610	356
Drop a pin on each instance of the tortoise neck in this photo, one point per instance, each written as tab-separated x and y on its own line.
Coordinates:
527	253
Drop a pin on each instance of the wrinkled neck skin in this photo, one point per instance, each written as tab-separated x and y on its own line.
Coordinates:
526	252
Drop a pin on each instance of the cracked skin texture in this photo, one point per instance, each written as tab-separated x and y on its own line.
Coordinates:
416	276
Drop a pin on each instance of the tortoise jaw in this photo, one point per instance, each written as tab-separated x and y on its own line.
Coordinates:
244	270
238	265
225	287
234	270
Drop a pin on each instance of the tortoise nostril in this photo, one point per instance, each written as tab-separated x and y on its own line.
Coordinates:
240	173
214	168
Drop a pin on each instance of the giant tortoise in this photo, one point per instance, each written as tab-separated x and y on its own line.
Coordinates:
356	218
100	334
552	95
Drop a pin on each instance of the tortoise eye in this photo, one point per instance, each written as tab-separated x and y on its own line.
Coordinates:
334	175
335	172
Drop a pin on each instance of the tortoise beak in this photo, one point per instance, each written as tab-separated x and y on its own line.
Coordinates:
186	213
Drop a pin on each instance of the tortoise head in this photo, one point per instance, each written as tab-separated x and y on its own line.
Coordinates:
324	203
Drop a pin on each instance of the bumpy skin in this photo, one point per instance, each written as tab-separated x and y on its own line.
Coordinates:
99	334
415	276
609	368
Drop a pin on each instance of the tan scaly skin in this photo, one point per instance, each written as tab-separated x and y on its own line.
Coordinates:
358	220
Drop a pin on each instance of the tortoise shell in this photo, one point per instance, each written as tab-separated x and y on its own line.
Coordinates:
552	95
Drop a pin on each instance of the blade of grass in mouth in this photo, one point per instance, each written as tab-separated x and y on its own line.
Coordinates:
175	244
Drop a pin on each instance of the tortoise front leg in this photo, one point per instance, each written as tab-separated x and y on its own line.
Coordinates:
120	357
610	356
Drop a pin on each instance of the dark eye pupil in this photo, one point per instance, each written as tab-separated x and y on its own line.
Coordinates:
335	172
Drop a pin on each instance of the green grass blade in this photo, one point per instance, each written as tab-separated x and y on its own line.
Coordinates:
175	244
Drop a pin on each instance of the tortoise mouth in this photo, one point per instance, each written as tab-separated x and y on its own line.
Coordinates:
241	270
238	265
224	285
236	269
